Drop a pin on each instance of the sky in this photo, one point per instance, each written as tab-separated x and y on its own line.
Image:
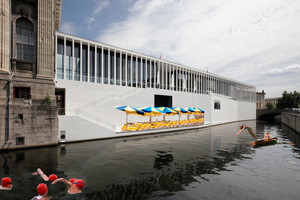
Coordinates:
256	42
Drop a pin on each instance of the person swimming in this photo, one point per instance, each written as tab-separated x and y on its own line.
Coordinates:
74	185
52	177
6	184
42	192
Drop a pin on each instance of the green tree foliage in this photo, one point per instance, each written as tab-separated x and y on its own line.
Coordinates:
270	105
288	100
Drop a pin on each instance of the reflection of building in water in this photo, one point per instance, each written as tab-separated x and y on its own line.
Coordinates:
23	162
161	159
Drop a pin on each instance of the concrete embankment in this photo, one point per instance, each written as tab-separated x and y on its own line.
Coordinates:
292	120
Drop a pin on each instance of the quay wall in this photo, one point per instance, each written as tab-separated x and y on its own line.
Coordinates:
292	120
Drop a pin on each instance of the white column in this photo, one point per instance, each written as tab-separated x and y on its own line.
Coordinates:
115	67
73	59
80	61
95	66
162	75
154	75
150	73
176	75
121	68
65	47
126	77
108	59
131	80
88	65
102	53
146	72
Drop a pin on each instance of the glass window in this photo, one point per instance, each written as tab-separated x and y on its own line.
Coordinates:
139	72
84	63
60	59
144	74
92	64
129	70
148	73
77	62
99	64
105	67
123	70
69	62
134	71
112	68
118	69
25	40
217	105
22	92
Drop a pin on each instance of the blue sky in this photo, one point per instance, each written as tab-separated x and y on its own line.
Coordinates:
252	41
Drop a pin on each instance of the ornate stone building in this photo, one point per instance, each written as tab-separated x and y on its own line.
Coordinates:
260	100
27	97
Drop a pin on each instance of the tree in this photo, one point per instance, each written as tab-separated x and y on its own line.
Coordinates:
269	105
288	100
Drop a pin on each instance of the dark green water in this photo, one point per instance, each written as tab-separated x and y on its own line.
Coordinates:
208	163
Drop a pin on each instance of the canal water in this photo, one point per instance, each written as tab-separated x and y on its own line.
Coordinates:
206	163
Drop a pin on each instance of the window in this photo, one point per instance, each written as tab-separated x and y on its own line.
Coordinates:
162	101
19	140
25	40
217	105
22	92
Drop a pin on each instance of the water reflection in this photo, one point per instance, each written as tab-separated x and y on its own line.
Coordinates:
141	167
161	159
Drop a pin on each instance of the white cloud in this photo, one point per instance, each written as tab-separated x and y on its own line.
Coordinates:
100	5
242	40
289	70
69	27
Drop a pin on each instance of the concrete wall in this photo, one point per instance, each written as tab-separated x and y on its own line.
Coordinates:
292	121
90	111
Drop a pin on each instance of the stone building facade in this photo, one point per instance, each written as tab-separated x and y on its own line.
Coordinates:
273	101
28	111
260	100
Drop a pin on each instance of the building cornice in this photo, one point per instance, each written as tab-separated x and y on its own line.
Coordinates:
57	13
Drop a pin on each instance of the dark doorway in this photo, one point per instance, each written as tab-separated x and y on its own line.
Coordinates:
60	100
162	101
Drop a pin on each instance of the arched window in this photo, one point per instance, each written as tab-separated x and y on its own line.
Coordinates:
25	40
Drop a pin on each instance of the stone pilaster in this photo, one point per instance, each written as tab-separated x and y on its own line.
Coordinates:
45	40
4	36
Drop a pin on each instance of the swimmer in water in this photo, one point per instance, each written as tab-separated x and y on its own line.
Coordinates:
42	192
52	177
74	187
6	184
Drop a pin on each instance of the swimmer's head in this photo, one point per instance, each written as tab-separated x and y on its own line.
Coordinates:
52	177
5	182
241	127
79	183
42	189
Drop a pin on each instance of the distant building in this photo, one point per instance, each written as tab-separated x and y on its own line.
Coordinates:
260	100
272	101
